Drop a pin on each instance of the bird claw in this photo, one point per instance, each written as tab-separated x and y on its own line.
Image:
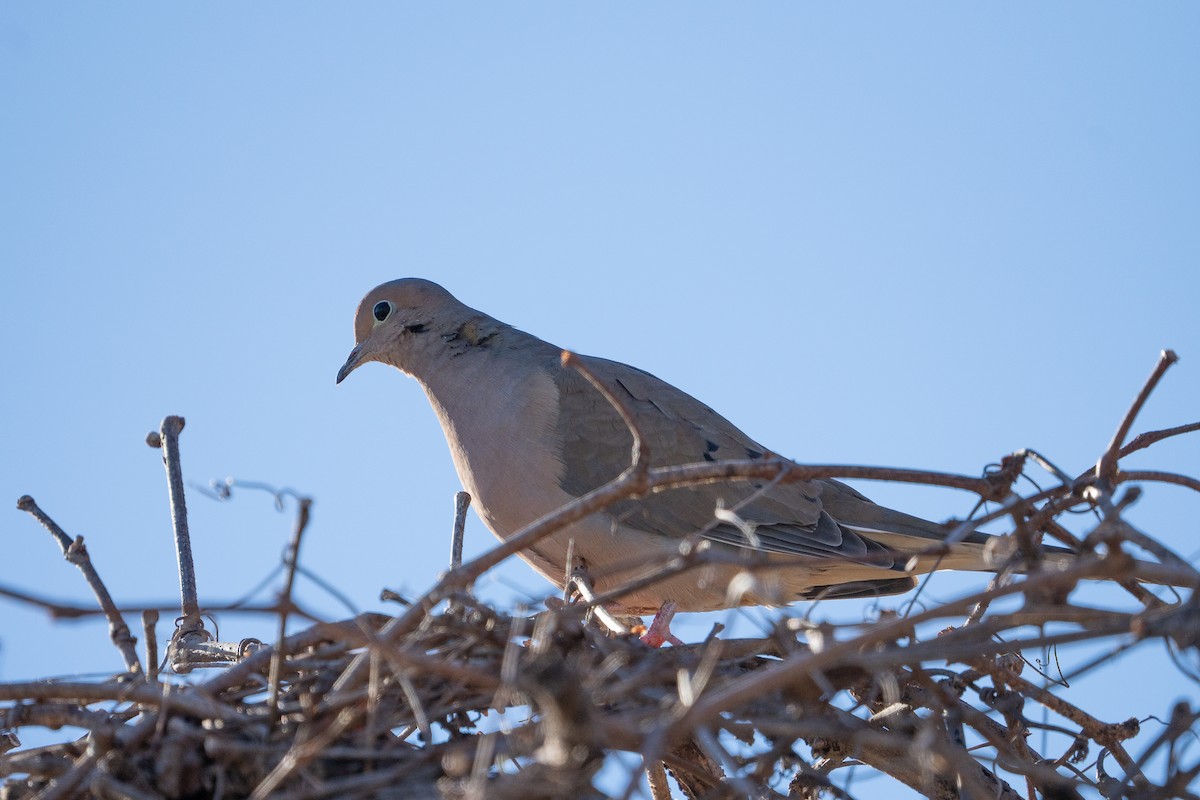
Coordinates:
660	628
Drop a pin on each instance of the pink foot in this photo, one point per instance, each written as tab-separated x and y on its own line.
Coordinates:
660	628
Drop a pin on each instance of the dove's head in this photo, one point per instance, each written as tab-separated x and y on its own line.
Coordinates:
399	321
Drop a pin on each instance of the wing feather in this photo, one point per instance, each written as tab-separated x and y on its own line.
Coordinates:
678	429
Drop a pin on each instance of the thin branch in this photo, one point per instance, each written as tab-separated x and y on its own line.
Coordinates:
291	561
76	553
1144	440
64	786
778	675
1159	477
374	702
462	501
640	457
1106	467
1110	735
149	620
67	611
132	692
167	439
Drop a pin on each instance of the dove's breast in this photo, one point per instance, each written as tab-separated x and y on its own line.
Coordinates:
499	427
504	435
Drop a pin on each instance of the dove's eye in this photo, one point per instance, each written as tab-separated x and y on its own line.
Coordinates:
381	310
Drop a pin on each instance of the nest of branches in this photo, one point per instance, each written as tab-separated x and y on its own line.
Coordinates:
455	698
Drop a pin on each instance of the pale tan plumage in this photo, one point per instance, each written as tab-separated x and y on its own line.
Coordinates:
528	435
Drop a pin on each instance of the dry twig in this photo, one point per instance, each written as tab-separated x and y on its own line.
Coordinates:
392	707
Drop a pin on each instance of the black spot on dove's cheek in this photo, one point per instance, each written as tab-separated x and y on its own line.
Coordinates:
418	328
472	336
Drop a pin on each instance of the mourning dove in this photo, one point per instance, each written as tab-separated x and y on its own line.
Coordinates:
529	435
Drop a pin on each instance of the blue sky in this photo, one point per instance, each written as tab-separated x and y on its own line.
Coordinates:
888	234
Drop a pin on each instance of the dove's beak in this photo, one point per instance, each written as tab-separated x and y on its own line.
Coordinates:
357	357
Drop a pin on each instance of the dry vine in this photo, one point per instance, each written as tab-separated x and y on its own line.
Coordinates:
938	699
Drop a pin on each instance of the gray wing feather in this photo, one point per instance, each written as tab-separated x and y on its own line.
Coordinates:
597	447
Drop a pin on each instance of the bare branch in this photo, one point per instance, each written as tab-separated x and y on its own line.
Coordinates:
462	501
406	704
1144	440
168	439
292	560
76	553
1106	467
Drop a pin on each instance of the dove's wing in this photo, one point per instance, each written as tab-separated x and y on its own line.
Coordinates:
596	446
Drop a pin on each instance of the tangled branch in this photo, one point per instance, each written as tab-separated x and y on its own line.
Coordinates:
456	698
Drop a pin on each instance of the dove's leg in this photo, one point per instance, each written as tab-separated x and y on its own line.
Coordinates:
660	627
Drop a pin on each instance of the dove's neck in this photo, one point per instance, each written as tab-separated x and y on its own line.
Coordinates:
473	361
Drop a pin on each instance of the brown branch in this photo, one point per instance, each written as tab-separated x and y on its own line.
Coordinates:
291	560
1159	477
48	761
1109	735
55	715
778	675
132	692
167	438
1106	467
105	787
462	501
149	620
68	611
1144	440
64	786
355	705
76	553
354	632
640	457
